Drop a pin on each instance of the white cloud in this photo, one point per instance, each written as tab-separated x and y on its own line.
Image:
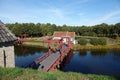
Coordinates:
109	16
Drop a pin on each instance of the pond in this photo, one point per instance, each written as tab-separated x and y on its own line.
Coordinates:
25	55
106	62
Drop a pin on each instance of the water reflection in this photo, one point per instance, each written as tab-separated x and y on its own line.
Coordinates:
81	53
96	62
25	50
98	52
25	55
66	60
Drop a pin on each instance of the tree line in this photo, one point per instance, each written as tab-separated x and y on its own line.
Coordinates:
40	29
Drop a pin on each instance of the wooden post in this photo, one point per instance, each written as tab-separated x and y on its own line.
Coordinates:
4	58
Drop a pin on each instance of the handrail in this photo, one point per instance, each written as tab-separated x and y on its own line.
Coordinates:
42	57
57	59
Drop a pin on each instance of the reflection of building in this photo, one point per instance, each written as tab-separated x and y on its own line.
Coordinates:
6	47
59	34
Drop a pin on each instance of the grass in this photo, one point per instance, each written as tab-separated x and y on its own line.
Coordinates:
37	42
79	47
74	47
29	74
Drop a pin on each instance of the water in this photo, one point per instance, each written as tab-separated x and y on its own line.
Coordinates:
95	62
26	55
106	62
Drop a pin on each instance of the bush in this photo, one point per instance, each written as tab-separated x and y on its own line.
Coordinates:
94	41
82	41
100	41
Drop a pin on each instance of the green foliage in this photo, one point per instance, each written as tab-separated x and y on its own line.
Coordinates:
101	30
29	74
100	77
82	41
49	34
102	41
98	41
89	34
94	41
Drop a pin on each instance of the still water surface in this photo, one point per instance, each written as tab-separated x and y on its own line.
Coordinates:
105	62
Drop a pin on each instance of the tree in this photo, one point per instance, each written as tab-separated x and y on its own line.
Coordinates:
117	28
32	29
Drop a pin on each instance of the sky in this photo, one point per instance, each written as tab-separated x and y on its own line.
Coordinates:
60	12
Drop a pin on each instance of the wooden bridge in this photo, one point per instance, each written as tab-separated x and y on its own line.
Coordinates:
22	38
53	58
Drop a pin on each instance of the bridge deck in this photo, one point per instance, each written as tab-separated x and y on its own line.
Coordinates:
51	59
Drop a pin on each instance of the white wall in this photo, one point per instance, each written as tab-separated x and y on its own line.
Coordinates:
57	38
64	40
8	52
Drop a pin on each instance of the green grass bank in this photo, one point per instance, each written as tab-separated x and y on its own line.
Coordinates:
29	74
98	47
76	46
111	44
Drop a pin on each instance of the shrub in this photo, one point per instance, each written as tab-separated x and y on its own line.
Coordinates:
94	41
82	41
102	41
99	41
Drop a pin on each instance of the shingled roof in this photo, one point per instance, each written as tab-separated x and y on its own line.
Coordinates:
5	34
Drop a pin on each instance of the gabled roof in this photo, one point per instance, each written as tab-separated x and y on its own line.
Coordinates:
5	34
63	34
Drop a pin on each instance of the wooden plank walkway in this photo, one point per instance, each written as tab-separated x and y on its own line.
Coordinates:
51	59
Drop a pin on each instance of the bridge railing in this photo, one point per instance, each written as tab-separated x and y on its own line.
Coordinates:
42	57
59	58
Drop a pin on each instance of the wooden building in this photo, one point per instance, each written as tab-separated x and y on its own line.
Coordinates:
60	34
6	47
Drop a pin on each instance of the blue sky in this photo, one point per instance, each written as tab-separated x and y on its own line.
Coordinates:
59	12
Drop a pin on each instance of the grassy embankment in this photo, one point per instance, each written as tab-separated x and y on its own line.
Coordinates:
111	44
106	47
29	74
38	42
